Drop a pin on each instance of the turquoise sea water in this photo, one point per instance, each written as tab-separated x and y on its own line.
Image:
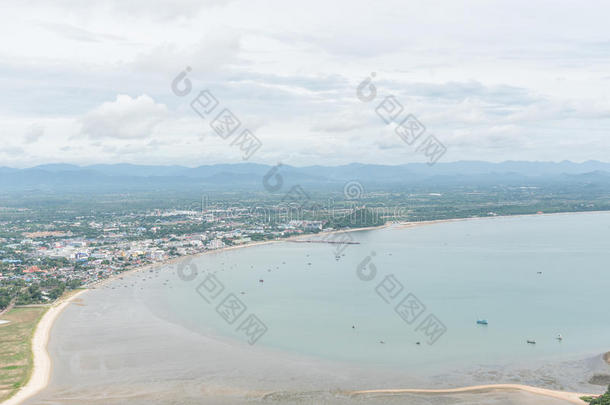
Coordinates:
460	271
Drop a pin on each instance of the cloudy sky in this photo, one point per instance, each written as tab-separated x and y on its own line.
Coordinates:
91	82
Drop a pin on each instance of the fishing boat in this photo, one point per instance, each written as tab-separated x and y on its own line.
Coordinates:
531	342
482	321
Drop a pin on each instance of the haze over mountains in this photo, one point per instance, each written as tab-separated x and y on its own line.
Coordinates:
250	175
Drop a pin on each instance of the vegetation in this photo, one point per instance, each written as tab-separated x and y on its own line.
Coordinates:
43	291
358	218
601	400
6	296
15	348
30	295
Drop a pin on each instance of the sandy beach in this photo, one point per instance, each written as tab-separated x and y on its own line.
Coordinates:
398	224
42	362
175	260
572	397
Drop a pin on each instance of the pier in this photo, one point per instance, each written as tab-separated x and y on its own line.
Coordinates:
324	241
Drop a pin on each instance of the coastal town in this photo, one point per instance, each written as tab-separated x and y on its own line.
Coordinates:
50	246
237	202
39	261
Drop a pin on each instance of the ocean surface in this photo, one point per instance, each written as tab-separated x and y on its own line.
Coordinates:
309	322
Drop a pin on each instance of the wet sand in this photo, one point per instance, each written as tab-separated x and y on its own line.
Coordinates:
571	397
111	349
42	362
142	364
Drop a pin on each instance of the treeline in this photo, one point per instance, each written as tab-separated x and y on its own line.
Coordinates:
44	291
358	218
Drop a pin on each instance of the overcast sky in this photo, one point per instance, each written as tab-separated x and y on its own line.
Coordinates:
90	82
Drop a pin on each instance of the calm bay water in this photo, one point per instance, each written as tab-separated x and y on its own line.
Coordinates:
152	337
460	271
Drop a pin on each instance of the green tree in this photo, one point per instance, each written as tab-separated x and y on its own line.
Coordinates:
601	400
56	292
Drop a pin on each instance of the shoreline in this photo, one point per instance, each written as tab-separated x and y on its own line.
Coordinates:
41	372
174	260
389	224
407	224
572	397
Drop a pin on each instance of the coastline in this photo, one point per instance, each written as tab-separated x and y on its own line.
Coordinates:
174	260
42	362
397	224
572	397
41	371
406	224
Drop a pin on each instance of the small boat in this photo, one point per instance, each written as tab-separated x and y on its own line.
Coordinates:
531	342
559	337
482	321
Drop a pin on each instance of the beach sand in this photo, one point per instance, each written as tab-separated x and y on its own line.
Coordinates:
151	362
42	362
176	260
572	397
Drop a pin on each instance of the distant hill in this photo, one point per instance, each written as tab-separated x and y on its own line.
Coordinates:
107	177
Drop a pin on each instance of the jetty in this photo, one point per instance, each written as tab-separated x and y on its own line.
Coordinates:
323	241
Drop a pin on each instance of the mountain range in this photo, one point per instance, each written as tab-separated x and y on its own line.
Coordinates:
121	176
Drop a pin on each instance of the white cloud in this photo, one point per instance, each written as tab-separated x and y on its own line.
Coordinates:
210	55
508	80
124	118
78	34
34	133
